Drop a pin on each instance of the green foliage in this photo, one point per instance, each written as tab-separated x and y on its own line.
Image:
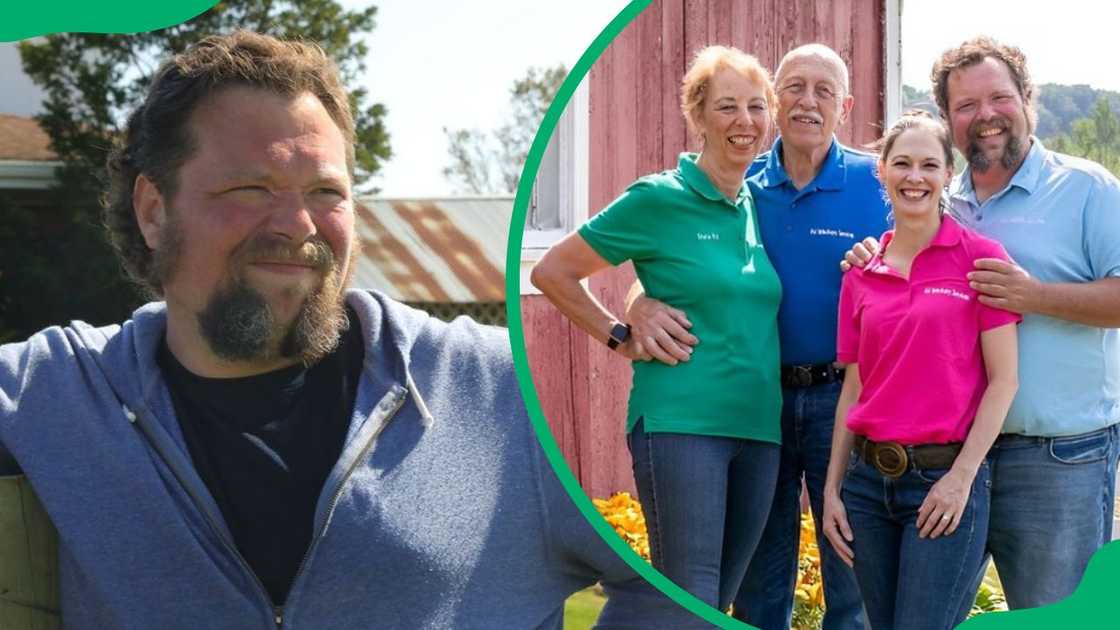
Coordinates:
1096	137
485	162
55	259
1058	106
913	98
1074	119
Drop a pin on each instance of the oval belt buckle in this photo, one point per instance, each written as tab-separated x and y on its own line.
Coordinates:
890	458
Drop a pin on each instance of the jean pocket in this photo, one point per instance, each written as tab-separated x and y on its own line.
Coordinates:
930	475
1080	449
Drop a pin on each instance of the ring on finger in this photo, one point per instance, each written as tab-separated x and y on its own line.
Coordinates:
945	517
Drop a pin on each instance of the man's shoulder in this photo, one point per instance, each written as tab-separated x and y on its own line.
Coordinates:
758	166
976	245
858	161
416	334
1081	170
59	342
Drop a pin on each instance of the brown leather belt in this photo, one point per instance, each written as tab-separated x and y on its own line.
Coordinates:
893	459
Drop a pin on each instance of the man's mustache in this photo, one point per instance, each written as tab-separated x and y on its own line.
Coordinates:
314	252
1001	123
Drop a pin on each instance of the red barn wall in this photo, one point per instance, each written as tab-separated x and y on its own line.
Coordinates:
636	128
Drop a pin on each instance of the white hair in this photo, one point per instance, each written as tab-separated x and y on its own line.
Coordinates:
823	52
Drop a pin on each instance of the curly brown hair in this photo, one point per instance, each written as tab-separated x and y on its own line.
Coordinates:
973	52
158	141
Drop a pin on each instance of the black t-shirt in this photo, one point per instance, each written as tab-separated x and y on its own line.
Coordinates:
264	445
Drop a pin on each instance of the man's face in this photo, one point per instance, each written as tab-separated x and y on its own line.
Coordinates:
259	235
987	115
811	102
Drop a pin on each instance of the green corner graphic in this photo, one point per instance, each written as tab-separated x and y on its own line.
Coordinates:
1088	607
28	19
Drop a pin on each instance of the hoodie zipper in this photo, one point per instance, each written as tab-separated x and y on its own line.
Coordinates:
228	544
277	611
320	529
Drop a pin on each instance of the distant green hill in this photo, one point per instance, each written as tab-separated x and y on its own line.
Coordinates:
1058	105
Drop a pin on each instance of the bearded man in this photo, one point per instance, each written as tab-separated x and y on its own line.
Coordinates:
262	448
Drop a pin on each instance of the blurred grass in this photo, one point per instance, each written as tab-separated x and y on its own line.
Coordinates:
582	609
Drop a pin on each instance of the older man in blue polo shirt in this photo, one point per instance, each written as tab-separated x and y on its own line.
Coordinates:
815	198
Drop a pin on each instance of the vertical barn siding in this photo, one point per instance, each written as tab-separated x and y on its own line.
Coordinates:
636	128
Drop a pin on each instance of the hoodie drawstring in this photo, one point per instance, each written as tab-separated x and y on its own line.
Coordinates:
425	415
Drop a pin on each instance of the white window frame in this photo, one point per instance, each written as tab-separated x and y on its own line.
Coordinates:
892	61
573	137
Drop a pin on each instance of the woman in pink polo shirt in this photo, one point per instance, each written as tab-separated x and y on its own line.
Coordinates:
930	375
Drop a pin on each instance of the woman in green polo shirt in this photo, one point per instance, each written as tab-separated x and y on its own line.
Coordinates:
704	434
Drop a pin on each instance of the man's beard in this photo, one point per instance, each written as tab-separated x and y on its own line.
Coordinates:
1008	159
238	323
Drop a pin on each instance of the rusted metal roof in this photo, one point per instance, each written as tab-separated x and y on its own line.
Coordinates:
434	250
21	138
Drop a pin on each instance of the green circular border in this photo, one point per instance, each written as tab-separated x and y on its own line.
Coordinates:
517	339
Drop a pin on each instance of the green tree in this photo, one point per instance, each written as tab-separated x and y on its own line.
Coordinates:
489	162
1096	137
55	263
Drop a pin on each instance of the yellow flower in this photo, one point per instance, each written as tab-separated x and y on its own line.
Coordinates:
624	514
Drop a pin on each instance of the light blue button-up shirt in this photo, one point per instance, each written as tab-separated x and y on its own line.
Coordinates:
1059	218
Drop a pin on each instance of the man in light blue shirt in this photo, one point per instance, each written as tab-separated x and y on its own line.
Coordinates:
1054	467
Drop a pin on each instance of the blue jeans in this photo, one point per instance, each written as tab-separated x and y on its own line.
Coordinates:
906	581
1052	504
766	598
704	501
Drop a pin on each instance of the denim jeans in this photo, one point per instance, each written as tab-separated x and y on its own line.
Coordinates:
909	582
766	598
1052	505
705	500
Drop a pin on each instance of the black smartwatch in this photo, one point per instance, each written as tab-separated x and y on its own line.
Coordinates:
619	334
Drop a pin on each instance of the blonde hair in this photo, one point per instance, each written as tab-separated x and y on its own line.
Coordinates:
707	62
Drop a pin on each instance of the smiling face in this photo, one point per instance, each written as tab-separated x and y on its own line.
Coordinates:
987	115
257	240
734	119
914	172
812	101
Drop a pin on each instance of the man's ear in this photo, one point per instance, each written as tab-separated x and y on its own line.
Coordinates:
846	108
148	203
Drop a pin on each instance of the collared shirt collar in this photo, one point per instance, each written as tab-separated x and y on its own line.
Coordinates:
698	180
948	235
830	177
1026	177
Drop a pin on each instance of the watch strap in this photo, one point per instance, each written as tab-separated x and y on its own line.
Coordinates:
619	334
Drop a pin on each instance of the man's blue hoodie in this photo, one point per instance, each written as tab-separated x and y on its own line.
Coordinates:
441	512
